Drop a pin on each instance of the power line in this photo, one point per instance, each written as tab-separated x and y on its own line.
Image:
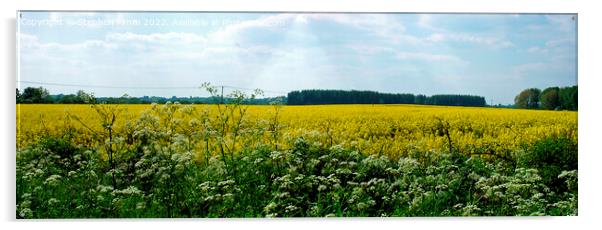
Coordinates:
103	86
241	88
141	87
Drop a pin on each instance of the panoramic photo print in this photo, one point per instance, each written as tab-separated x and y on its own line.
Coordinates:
295	114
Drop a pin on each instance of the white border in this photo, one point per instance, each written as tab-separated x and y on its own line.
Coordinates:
590	130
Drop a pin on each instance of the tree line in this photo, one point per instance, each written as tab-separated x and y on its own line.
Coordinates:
551	98
320	97
40	95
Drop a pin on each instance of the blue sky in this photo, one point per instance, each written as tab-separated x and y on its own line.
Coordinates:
492	55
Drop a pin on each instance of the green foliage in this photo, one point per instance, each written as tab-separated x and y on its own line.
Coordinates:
550	98
307	180
568	98
320	97
33	95
528	99
551	157
18	98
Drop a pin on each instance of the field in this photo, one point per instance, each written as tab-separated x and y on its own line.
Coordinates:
234	160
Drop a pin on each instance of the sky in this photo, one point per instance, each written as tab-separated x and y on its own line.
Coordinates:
172	54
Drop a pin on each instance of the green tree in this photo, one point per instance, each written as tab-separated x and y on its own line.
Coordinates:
84	98
550	98
18	96
35	95
66	99
528	99
568	98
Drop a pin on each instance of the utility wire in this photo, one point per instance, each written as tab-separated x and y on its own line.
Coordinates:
103	86
241	88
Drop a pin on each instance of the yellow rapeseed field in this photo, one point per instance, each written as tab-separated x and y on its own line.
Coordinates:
392	130
233	160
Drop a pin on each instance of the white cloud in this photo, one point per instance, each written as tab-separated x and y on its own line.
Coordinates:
429	57
230	32
366	49
25	39
491	41
426	21
537	49
157	37
562	22
363	21
301	19
523	70
31	43
558	48
436	37
560	42
382	25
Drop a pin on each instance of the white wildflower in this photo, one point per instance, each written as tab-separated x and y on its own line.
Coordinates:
52	201
53	180
140	205
322	187
26	213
